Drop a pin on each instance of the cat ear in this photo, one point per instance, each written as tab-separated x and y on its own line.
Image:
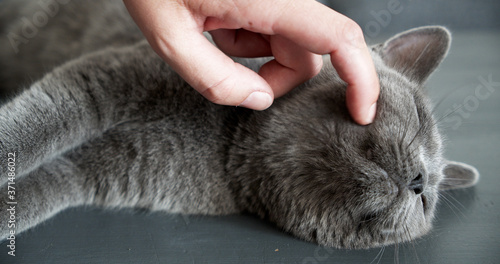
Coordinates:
458	175
416	52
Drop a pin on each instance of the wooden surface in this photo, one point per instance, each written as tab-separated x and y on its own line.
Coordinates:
467	226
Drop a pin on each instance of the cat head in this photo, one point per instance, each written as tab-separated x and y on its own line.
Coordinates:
323	178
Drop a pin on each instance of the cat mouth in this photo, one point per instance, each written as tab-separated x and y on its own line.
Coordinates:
423	200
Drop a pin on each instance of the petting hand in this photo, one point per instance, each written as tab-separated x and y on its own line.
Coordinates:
294	32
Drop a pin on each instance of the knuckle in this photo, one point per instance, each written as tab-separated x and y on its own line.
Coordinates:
353	34
218	93
317	65
312	67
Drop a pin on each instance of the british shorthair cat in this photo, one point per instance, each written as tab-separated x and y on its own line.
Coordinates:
110	124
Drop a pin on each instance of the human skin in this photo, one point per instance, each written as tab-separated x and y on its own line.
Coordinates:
295	33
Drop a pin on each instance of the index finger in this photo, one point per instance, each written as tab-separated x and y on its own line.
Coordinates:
324	31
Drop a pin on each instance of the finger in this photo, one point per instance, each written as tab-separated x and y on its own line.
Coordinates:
363	87
177	38
292	65
216	76
324	31
241	43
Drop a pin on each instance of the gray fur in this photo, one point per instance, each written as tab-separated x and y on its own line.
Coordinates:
115	127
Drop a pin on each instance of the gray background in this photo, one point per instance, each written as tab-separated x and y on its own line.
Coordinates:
467	226
456	14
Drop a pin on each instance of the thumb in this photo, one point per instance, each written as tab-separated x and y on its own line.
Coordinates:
177	37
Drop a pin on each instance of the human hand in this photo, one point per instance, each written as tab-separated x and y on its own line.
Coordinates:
294	32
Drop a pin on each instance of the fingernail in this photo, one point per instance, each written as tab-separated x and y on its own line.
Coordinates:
371	113
258	101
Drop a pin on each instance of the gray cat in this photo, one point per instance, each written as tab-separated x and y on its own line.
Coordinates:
115	127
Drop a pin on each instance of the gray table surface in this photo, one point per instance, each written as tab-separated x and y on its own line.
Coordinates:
467	228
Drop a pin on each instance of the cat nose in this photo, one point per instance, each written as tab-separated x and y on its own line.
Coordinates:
417	184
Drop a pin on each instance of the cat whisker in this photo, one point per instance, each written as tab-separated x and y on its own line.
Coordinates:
452	206
379	255
454	199
406	125
412	243
370	218
396	252
422	53
438	121
411	155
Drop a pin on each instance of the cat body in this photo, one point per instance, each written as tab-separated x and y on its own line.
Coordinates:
115	126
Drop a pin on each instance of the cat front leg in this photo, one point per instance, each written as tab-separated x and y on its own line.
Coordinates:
28	201
44	121
79	101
